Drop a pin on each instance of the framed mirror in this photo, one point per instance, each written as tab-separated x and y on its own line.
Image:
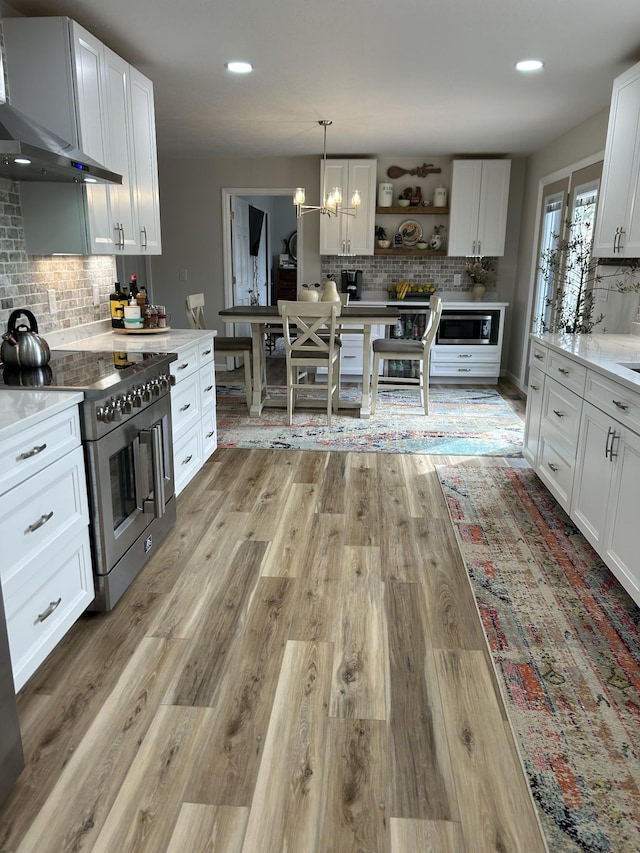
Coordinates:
292	246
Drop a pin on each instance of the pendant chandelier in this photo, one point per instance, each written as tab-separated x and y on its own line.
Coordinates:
332	201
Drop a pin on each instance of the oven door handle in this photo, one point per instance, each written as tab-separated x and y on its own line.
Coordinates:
153	438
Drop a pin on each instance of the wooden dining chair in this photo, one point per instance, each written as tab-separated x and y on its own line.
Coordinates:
230	347
385	349
311	341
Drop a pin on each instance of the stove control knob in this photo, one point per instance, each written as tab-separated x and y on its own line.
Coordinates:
146	393
116	412
127	405
155	388
137	397
101	414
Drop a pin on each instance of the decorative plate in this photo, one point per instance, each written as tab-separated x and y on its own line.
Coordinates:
411	232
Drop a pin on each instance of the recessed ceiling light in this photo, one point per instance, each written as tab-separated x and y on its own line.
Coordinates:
239	67
23	161
529	65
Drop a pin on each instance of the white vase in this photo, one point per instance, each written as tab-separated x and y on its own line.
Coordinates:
478	292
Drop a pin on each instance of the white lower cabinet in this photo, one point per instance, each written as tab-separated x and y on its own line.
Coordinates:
193	410
46	573
461	363
607	493
582	437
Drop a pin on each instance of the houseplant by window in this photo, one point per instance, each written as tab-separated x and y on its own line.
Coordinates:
573	281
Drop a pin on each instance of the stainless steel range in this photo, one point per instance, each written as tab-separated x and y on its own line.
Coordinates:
126	431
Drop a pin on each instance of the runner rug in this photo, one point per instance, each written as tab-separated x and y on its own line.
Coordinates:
462	421
565	642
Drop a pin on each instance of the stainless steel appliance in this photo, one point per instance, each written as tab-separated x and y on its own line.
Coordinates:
351	283
125	422
468	327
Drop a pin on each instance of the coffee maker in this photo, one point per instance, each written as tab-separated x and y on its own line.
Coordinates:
352	283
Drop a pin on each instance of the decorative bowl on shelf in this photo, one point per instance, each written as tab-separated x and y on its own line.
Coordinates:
404	202
384	244
422	245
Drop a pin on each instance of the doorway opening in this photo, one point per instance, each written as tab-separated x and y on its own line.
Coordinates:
251	268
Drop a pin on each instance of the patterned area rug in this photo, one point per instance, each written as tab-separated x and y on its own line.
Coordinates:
462	421
565	641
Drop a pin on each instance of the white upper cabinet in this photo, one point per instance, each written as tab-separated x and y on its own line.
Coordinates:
68	81
350	235
617	232
479	202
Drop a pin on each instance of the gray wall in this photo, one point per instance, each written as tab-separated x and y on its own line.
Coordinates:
192	238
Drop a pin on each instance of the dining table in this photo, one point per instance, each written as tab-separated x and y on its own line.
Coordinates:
353	319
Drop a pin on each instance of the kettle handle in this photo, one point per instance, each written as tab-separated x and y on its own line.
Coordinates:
11	324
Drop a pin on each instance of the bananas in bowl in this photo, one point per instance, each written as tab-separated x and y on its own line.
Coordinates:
404	289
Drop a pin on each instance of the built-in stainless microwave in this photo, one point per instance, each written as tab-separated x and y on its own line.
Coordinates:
467	327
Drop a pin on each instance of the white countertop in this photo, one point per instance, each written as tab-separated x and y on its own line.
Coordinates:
603	353
171	341
21	408
454	301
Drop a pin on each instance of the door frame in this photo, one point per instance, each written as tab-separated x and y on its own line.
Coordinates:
227	261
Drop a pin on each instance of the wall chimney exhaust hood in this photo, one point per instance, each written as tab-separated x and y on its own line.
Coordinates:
30	152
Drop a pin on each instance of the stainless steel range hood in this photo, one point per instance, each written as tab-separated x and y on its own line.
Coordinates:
30	152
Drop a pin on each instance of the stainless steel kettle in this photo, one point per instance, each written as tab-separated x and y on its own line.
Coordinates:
22	346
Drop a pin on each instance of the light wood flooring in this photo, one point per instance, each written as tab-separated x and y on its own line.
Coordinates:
299	668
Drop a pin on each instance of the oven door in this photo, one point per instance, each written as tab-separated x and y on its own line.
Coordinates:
130	482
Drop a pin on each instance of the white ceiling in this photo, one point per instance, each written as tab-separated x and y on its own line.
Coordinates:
410	77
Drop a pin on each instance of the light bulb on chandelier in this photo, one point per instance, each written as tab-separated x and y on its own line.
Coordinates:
332	203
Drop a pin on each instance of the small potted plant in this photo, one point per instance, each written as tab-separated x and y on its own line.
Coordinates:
381	237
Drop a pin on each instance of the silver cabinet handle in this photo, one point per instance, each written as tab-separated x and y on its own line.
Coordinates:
38	524
621	405
185	407
464	370
122	236
209	388
539	356
465	355
183	366
479	247
535	387
563	371
553	467
207	351
612	436
143	238
33	452
211	434
188	459
621	234
558	414
49	610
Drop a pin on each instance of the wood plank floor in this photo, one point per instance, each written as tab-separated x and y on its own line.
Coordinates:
299	668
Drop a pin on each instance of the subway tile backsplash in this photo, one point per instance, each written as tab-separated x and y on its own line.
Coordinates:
25	280
379	272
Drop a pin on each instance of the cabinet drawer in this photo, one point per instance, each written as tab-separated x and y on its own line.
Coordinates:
39	446
207	384
209	435
185	404
555	469
470	369
42	509
186	363
538	355
568	373
614	399
205	351
471	355
55	591
536	380
561	410
187	457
